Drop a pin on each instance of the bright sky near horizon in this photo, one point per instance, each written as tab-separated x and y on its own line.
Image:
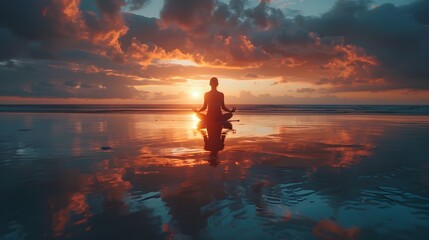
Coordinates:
262	51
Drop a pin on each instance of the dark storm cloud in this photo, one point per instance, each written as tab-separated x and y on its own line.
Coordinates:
147	30
41	26
237	6
265	16
35	20
227	34
396	36
110	7
45	26
10	45
419	10
190	14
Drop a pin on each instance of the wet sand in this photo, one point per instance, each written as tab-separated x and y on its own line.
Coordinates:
148	176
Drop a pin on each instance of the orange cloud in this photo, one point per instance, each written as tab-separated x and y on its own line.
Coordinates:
353	63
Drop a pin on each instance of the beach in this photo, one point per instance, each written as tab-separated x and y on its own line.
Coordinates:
279	175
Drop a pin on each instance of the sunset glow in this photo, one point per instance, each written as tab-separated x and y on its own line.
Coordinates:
267	52
195	95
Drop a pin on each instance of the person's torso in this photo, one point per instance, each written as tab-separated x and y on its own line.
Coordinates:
214	102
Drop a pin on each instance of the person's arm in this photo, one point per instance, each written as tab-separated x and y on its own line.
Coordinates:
224	107
204	105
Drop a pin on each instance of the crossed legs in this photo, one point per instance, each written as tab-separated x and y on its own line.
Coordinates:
225	117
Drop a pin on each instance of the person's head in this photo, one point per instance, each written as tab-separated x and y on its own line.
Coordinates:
214	82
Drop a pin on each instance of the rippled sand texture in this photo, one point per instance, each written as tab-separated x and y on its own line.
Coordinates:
147	176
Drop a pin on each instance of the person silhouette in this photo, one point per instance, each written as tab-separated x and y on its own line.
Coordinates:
215	102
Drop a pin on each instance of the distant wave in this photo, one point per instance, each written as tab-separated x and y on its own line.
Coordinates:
243	109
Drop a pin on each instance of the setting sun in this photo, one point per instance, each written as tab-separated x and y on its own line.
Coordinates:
195	94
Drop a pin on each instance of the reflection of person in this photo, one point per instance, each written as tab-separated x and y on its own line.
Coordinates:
214	101
214	138
214	142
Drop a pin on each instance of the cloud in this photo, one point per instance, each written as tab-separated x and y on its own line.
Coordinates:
251	75
166	97
264	16
306	90
418	9
65	80
249	97
10	45
110	7
36	20
237	6
193	15
393	36
47	26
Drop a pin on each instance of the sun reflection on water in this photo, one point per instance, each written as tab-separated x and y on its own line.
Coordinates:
195	121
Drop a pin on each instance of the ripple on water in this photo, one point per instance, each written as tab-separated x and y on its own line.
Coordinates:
402	186
292	194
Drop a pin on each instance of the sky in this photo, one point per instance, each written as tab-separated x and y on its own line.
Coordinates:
262	51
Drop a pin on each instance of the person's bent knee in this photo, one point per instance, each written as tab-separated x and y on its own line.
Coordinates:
201	116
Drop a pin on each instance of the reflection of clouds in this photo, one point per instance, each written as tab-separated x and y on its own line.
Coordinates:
112	176
329	230
334	144
303	169
173	157
77	206
70	208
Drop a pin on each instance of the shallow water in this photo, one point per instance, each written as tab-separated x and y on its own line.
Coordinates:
147	176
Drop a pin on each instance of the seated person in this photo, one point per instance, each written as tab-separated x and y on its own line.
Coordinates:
214	100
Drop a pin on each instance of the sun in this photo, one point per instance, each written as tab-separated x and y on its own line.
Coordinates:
195	94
